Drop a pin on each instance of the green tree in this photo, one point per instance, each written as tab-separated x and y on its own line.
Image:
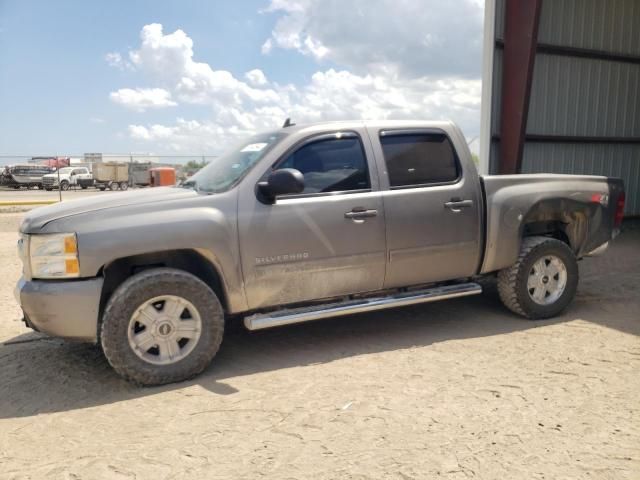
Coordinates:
192	166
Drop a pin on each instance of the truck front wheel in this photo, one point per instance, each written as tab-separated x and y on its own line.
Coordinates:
64	185
542	282
161	326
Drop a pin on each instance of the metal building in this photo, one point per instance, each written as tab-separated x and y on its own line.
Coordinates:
561	89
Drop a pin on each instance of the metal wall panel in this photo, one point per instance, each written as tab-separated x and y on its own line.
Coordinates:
611	26
494	157
621	161
578	96
584	97
496	97
499	25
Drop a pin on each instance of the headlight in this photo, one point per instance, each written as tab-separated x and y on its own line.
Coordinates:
54	255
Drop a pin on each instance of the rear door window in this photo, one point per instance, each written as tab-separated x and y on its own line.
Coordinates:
419	159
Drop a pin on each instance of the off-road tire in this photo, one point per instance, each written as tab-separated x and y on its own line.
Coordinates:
134	292
512	281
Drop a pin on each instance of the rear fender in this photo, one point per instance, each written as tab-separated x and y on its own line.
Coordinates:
583	224
560	215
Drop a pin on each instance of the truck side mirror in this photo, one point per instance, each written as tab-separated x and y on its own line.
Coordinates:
281	182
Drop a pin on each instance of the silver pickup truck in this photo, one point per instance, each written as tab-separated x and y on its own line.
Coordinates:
299	224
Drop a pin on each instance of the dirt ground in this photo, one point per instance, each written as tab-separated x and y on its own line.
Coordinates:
36	195
458	389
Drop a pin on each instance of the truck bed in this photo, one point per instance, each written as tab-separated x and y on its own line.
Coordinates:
583	205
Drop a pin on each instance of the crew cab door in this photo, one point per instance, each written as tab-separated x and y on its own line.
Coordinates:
327	241
432	205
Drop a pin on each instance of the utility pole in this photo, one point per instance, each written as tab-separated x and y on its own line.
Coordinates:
59	184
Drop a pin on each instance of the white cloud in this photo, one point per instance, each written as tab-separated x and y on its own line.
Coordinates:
141	99
416	37
267	46
331	95
256	77
342	95
189	136
373	82
114	59
170	59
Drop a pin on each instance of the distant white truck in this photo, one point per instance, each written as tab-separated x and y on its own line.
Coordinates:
67	177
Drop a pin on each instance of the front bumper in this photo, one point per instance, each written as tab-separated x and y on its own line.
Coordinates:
47	182
67	309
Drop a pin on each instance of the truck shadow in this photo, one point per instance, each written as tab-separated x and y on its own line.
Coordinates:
45	375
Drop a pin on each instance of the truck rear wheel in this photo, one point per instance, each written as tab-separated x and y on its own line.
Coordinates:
124	185
542	282
161	326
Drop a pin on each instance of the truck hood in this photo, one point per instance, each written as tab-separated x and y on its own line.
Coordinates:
39	217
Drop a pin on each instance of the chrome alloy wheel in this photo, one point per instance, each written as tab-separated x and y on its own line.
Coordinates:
164	329
547	280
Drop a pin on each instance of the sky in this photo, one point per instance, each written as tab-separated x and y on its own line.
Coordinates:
193	76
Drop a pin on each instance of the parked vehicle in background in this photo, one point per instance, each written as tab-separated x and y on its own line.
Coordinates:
68	177
17	176
299	224
139	174
55	162
162	176
111	175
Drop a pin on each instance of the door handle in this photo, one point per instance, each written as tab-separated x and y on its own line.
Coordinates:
456	204
359	213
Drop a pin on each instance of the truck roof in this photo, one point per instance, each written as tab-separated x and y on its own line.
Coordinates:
319	126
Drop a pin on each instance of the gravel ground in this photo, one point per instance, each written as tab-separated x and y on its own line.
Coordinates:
457	389
35	195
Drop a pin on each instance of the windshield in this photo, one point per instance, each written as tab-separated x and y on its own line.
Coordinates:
223	172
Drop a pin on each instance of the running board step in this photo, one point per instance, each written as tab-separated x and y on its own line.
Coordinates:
278	318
